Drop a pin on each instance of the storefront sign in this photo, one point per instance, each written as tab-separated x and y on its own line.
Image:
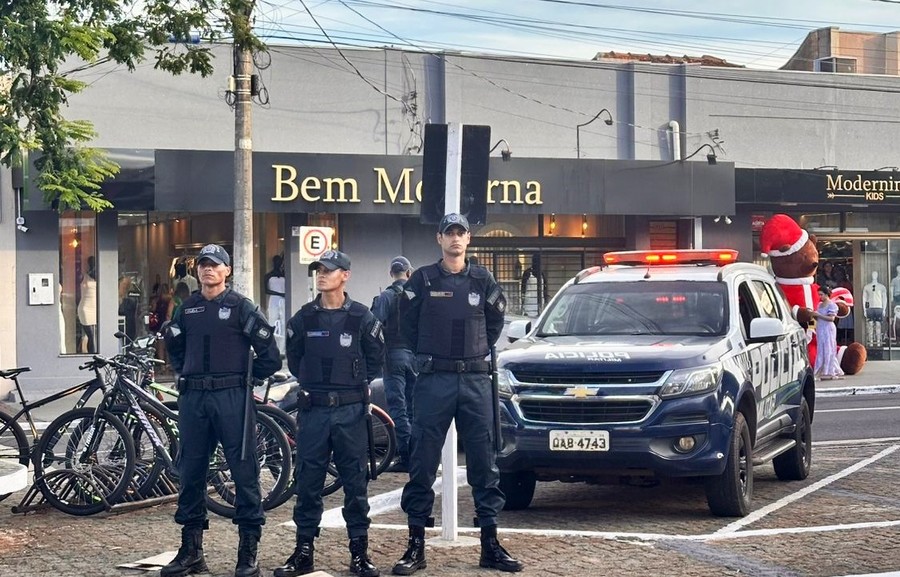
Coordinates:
192	180
822	189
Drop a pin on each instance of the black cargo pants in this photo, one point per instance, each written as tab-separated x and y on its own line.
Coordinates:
440	397
205	418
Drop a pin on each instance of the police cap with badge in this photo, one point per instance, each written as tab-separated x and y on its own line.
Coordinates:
215	253
332	260
453	219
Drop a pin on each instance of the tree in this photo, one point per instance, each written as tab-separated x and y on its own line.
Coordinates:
37	38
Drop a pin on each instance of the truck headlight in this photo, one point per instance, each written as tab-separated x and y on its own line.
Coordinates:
693	381
504	384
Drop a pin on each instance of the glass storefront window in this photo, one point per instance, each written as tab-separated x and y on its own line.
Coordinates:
78	282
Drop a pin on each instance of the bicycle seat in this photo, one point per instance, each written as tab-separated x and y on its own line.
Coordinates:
10	373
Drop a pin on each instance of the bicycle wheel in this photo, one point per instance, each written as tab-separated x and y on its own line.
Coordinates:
149	464
13	443
273	453
385	439
97	447
289	426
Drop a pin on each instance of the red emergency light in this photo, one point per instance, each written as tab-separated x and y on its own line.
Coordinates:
656	257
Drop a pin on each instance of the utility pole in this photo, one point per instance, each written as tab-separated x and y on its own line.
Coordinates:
242	259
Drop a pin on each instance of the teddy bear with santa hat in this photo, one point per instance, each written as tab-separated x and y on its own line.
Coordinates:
794	258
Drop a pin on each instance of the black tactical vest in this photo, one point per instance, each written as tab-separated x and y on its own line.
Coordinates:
451	320
333	356
392	337
215	342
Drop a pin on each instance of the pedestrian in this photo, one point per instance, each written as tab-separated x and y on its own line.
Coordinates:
827	364
209	342
399	361
454	317
335	348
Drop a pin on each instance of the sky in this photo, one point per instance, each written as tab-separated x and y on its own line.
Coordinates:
758	34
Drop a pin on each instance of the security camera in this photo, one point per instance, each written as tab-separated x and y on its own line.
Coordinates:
22	227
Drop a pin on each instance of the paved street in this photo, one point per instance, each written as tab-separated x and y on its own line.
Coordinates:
843	520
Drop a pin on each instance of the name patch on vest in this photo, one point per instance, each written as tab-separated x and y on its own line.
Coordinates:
474	299
224	313
194	310
346	339
442	294
312	334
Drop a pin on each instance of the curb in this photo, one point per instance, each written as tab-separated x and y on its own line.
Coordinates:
861	390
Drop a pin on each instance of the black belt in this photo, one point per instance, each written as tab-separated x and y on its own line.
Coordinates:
335	399
448	365
213	383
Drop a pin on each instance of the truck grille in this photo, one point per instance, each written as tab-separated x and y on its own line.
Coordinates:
584	411
541	378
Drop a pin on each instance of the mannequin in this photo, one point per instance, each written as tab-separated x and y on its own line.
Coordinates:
875	303
87	307
181	275
275	286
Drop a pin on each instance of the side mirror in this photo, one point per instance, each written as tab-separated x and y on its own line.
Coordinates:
517	329
766	330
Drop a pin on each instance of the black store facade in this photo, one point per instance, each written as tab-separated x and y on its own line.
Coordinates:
855	216
546	220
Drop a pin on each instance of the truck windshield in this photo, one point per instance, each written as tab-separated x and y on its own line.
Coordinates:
638	308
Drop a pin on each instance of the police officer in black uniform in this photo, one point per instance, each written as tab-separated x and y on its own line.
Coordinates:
399	361
453	318
335	348
209	344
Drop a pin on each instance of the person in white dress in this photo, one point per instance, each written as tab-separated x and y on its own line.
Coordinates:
827	365
275	289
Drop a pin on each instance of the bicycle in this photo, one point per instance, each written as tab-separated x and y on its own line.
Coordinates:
273	448
14	442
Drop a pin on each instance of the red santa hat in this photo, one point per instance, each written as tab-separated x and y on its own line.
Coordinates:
781	231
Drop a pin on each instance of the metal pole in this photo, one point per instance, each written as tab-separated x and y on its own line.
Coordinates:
449	458
242	259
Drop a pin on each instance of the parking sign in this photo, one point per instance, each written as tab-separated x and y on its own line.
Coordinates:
314	240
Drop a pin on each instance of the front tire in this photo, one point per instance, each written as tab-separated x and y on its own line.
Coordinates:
730	493
794	465
518	488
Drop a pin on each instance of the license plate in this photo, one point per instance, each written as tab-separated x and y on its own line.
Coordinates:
579	440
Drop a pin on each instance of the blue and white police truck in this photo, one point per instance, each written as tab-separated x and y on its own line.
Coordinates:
658	364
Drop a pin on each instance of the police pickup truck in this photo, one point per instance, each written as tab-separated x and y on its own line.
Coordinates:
656	365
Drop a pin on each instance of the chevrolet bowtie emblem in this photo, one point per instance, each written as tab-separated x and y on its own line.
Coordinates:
578	391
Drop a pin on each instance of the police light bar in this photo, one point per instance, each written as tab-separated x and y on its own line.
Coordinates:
656	257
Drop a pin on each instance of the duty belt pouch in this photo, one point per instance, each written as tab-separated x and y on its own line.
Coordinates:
181	385
425	363
303	400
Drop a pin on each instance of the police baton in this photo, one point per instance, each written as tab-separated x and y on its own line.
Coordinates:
370	432
495	398
249	407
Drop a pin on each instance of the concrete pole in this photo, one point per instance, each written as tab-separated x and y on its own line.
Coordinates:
242	259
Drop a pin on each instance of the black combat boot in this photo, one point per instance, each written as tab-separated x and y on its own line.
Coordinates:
190	555
246	560
301	560
414	558
360	564
493	555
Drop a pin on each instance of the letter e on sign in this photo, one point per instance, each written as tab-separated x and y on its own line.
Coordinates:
314	240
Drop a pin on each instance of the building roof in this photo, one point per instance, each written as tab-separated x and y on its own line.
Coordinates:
704	60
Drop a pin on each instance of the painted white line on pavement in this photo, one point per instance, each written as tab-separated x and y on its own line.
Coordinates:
666	537
857	409
760	513
844	442
381	503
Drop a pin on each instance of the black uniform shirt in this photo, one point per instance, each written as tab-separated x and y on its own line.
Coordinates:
371	341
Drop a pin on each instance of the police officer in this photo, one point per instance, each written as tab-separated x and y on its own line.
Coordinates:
209	344
399	361
334	347
454	316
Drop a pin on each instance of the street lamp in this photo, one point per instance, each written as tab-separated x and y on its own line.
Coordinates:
710	157
506	154
608	122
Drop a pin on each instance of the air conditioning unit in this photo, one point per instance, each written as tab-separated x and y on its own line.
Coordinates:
839	64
